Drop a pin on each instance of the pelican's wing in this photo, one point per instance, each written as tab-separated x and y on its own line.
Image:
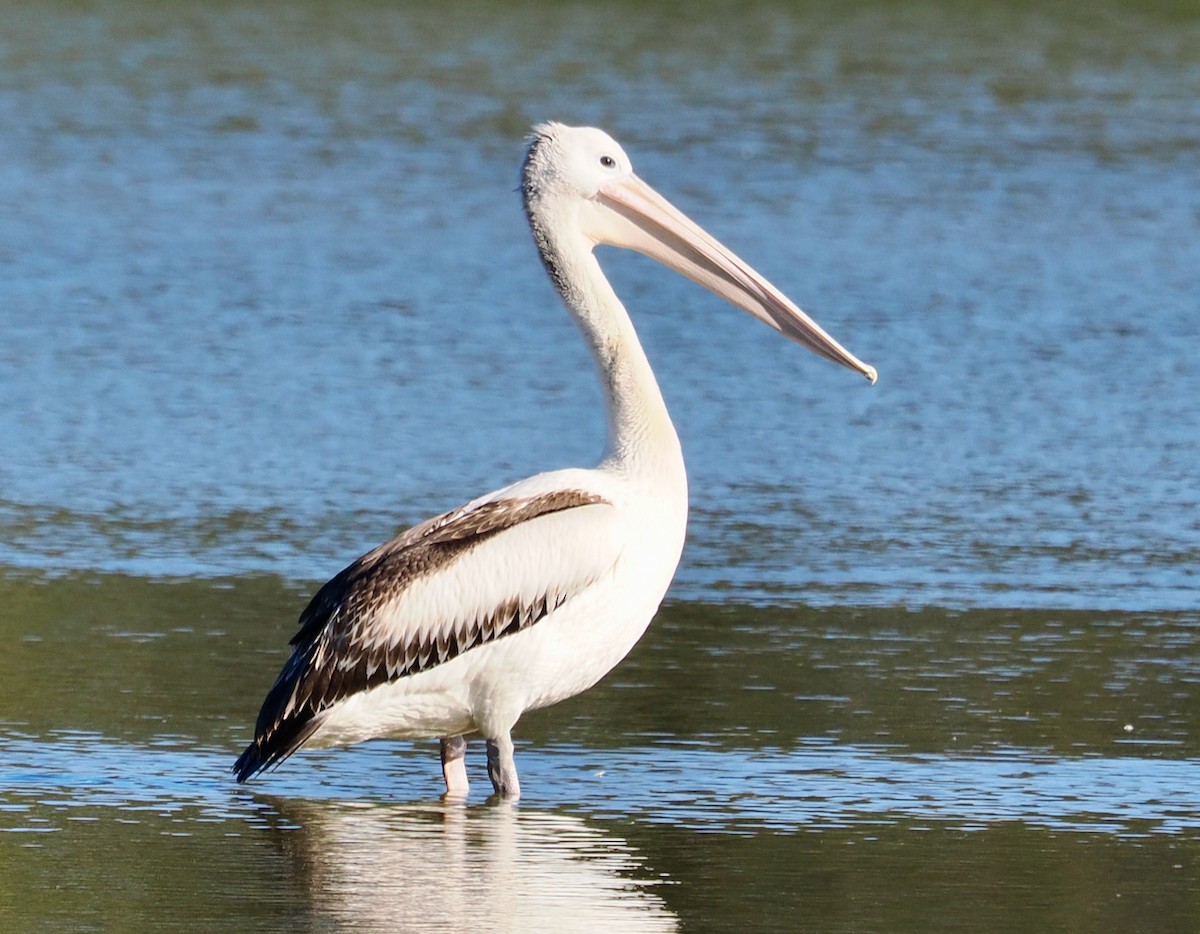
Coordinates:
456	582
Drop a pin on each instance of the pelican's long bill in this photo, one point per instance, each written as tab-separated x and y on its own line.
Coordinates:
647	222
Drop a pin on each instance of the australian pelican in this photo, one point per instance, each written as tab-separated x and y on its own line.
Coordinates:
531	594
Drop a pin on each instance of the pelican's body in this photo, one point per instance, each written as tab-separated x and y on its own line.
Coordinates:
531	594
613	554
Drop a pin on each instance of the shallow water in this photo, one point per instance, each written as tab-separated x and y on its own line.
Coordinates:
930	661
815	769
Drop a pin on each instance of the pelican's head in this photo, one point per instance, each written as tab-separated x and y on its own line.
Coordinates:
582	177
571	162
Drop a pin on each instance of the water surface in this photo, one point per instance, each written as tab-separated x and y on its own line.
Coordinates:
930	661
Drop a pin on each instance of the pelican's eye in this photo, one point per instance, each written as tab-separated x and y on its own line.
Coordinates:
608	162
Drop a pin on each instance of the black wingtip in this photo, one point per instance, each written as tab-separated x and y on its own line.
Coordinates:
269	750
248	764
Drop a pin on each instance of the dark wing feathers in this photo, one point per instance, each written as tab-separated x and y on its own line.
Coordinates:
342	646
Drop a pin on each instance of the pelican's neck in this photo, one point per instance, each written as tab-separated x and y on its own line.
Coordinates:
640	432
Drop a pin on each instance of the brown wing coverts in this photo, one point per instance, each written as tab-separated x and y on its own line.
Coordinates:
344	646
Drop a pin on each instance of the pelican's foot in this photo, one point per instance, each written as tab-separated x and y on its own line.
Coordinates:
502	770
454	766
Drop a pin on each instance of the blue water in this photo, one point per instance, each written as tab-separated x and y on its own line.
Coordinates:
267	296
817	786
262	307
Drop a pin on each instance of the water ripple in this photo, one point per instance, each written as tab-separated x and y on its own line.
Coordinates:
817	786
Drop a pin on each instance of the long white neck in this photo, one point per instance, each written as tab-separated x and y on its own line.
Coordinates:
641	436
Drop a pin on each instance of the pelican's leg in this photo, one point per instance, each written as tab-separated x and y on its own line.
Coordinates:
454	766
502	770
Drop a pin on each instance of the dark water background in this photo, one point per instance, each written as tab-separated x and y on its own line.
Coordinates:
930	662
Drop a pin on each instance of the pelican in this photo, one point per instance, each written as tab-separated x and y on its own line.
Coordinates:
531	594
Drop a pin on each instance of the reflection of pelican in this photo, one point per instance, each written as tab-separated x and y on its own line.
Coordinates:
381	868
528	595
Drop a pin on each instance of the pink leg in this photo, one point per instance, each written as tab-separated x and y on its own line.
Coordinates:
454	766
